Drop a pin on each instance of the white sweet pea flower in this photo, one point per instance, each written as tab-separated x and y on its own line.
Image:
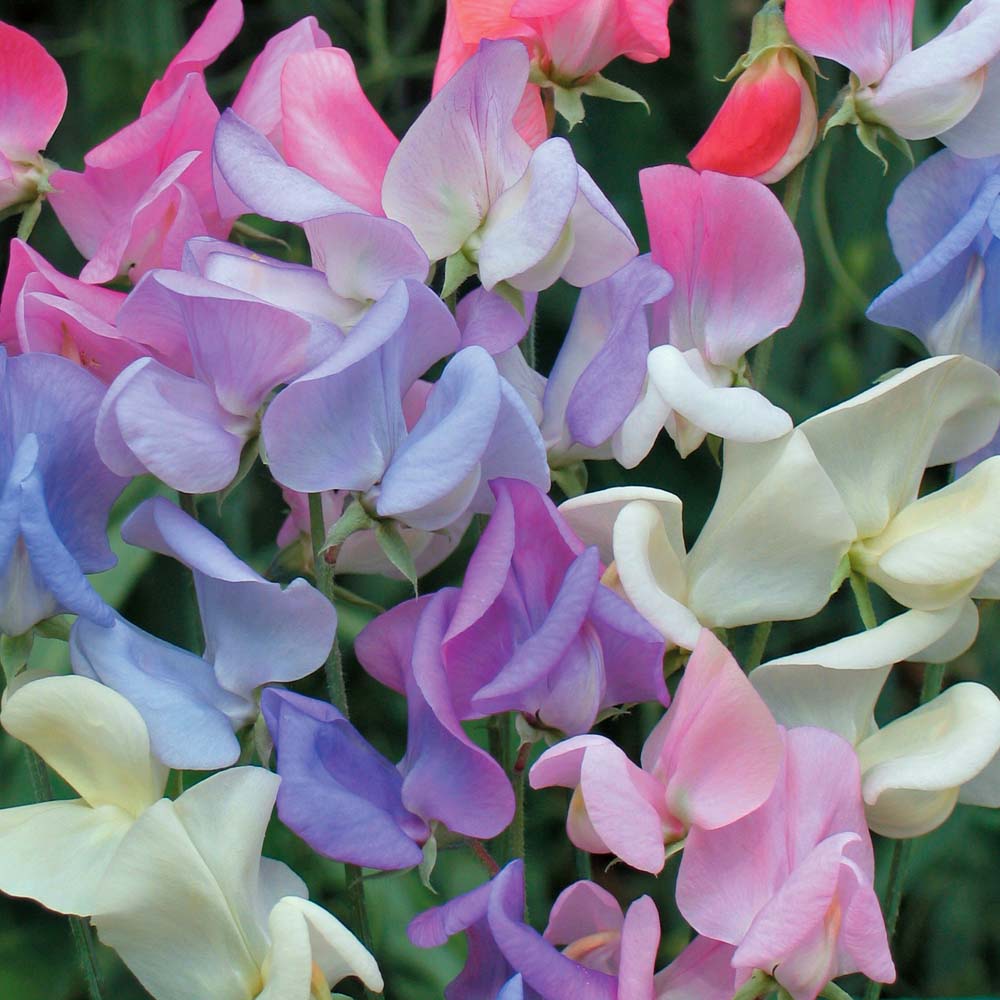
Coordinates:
929	552
58	852
194	911
913	770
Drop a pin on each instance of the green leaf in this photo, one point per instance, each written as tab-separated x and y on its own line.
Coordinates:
426	867
56	627
247	459
599	86
241	228
396	550
14	652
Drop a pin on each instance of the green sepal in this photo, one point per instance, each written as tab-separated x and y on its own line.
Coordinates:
244	229
842	573
758	985
569	104
714	443
14	652
262	741
426	867
396	550
571	479
833	992
676	847
511	295
354	519
248	456
457	268
56	627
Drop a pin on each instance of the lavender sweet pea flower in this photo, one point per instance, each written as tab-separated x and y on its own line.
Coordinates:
507	958
255	634
343	425
189	427
55	493
470	188
338	793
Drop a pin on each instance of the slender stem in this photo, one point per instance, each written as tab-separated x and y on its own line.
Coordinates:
334	667
583	864
483	856
791	197
83	936
824	233
326	581
762	362
516	833
863	599
899	859
193	624
758	643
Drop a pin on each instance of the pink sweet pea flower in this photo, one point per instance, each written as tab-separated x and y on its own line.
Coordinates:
799	905
947	88
569	42
32	102
767	124
711	759
148	188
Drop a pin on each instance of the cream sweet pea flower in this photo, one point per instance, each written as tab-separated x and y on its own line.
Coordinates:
194	911
915	769
58	852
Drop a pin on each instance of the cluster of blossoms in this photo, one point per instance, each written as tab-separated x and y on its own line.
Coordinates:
385	388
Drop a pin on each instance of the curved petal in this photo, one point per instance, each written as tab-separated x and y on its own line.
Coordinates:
91	736
330	129
32	94
580	910
978	133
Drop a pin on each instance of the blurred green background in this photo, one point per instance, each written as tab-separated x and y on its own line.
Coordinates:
111	50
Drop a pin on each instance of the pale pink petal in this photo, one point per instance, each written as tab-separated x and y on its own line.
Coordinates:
640	941
866	36
331	131
580	910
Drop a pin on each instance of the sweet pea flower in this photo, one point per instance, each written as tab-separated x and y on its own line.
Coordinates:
767	123
508	960
148	188
473	192
569	44
945	88
800	905
55	493
711	759
730	292
930	551
194	910
32	102
446	777
58	852
912	770
320	432
188	425
944	223
256	633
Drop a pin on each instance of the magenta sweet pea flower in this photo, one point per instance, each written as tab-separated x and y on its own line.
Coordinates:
712	759
188	424
470	188
32	102
534	629
55	493
256	633
800	905
507	958
148	188
949	87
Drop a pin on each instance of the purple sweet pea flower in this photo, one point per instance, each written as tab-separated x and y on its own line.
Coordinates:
255	634
532	629
189	427
338	793
944	222
507	958
467	185
55	493
343	425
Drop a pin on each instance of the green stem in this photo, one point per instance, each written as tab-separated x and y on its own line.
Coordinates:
584	869
791	196
863	599
758	643
334	667
824	233
325	582
516	832
83	936
899	859
193	625
762	362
